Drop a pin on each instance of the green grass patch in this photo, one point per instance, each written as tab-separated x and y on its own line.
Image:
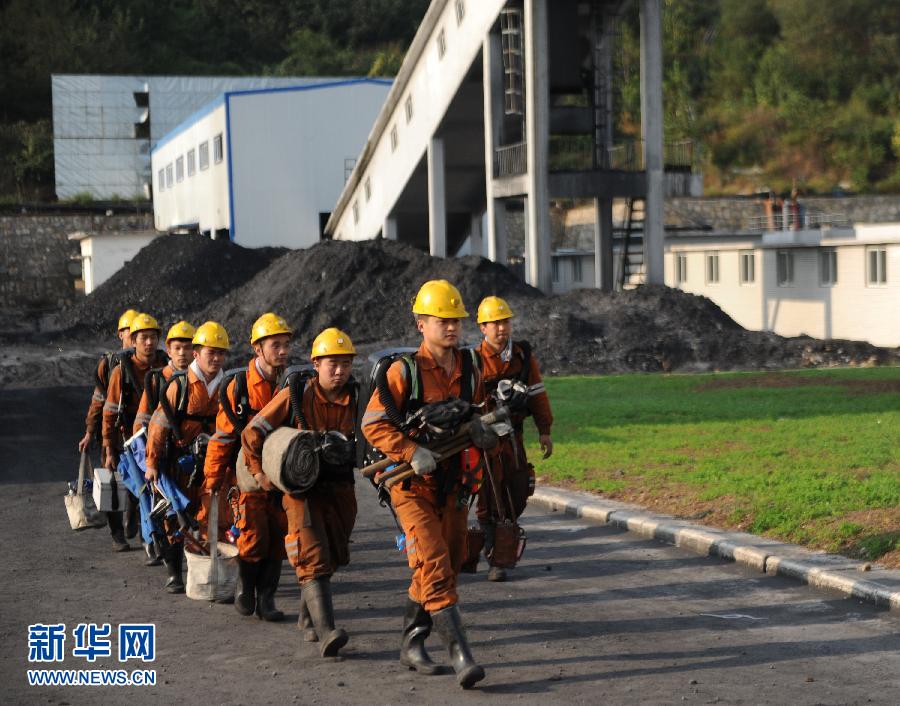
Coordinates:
789	455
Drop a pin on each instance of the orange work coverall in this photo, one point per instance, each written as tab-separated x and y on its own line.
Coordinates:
261	522
93	421
435	532
145	407
113	437
199	404
319	522
513	472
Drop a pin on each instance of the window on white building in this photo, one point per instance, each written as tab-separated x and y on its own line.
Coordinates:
748	267
356	211
179	169
576	269
441	44
876	265
785	268
460	11
368	188
217	148
409	108
680	268
162	179
555	269
712	268
169	179
828	272
191	162
204	155
394	138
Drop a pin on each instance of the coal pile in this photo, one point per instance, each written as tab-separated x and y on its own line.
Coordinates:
365	288
660	329
171	278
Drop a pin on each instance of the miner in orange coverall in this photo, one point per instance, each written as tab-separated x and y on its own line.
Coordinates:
502	358
319	521
432	507
261	520
186	414
126	385
92	422
179	349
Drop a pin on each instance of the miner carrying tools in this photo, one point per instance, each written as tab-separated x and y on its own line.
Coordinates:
179	349
260	518
320	518
108	361
432	505
179	430
512	377
126	386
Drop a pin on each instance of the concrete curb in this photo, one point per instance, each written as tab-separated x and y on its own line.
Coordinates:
818	569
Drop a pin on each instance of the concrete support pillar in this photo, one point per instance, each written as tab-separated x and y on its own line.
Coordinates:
437	199
492	72
603	245
389	229
476	241
498	250
537	134
652	132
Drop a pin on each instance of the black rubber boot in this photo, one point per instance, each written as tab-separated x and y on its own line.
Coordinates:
173	560
448	624
317	596
304	623
416	629
266	585
132	516
119	543
245	596
153	559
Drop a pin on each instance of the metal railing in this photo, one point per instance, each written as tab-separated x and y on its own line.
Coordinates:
576	153
797	221
511	160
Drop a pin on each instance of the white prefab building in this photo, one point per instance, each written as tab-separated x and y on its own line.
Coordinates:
103	126
264	166
826	283
104	252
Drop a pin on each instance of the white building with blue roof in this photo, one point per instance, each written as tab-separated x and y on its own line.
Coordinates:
264	167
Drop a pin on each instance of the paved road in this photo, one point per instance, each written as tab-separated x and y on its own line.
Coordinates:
593	615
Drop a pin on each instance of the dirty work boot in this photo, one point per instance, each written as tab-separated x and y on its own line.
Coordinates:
416	629
153	559
304	623
172	560
245	596
266	585
131	516
317	596
488	529
448	624
119	543
496	573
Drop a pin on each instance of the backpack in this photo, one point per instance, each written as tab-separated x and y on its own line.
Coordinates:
525	355
179	414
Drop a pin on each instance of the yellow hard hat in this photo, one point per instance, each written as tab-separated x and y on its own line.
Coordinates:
269	325
144	322
212	335
181	330
493	309
332	341
125	319
439	298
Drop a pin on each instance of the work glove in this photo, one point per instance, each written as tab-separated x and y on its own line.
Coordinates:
422	461
483	435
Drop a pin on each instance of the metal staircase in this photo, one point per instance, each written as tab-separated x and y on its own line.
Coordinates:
628	247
